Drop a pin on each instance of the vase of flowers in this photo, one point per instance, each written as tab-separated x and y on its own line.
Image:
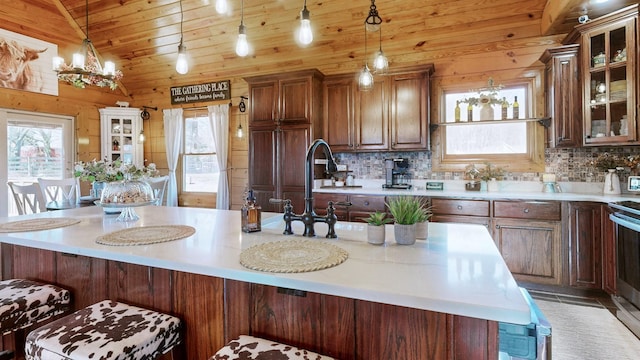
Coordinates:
101	172
610	164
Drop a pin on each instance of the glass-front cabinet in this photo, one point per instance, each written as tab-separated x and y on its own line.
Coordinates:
119	133
609	74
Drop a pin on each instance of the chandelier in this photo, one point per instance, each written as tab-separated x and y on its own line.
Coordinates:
85	68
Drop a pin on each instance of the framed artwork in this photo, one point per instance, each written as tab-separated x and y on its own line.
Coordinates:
25	63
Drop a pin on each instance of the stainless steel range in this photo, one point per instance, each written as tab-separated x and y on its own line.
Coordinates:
626	215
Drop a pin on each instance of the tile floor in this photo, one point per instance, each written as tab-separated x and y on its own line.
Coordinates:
599	302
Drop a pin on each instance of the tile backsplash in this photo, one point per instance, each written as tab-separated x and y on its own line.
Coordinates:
568	164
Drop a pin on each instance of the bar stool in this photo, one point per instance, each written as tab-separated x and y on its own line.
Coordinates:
105	330
247	347
25	302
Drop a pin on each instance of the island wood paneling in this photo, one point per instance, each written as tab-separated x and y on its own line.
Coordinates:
215	310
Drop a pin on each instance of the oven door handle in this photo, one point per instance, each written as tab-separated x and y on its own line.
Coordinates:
626	223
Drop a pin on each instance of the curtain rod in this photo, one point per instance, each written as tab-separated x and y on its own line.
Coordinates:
199	107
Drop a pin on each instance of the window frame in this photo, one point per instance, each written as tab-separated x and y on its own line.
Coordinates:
190	114
531	161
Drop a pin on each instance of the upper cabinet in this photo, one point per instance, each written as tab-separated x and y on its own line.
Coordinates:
563	96
290	98
119	131
391	116
609	77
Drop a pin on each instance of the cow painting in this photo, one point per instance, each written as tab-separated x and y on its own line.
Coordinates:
16	70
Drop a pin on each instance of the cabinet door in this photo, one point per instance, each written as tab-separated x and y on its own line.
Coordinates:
338	113
409	111
321	203
119	130
372	120
609	49
262	169
364	205
531	249
263	100
585	242
292	145
608	252
295	100
563	96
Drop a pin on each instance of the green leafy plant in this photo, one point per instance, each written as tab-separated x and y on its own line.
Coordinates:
407	210
378	219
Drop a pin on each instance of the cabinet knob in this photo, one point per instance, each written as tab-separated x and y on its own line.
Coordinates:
526	210
366	203
497	226
459	207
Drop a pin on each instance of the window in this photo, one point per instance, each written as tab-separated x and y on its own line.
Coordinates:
493	135
199	163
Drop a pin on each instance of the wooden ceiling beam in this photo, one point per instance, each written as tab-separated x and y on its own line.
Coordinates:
554	14
81	34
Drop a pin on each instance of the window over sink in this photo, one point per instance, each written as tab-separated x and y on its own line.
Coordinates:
493	124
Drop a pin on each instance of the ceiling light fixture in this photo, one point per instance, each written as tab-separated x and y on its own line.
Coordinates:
242	46
305	35
182	65
373	21
380	63
222	7
365	78
85	68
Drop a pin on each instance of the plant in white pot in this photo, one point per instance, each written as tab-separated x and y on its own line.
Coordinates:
406	212
376	227
422	226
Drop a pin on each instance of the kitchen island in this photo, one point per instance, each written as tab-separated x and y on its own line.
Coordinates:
440	298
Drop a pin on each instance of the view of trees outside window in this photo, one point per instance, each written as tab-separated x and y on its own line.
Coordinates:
200	165
34	152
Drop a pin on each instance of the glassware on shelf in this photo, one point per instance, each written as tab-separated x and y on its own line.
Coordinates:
126	195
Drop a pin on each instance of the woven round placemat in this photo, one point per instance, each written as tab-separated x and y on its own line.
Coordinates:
145	235
37	224
292	256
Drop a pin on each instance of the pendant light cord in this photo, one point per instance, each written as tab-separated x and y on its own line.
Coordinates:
181	21
242	12
365	44
86	13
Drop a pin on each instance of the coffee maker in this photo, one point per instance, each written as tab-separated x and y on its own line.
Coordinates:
397	175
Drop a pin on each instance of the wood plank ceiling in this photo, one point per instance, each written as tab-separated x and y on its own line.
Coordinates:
142	36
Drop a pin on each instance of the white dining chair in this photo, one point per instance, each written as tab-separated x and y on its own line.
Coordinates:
65	190
28	197
158	185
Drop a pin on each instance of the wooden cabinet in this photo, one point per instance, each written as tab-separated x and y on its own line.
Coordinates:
284	117
119	131
461	211
610	77
563	96
609	272
360	208
585	244
391	116
528	235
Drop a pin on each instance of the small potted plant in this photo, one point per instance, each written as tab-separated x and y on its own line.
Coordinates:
375	228
406	212
491	174
422	226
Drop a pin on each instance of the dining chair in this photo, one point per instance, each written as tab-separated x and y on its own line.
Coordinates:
28	197
66	190
158	185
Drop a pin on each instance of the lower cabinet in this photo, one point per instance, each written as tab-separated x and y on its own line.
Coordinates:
461	211
529	237
360	208
609	272
585	244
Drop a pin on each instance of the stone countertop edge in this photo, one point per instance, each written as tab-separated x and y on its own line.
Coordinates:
457	270
516	190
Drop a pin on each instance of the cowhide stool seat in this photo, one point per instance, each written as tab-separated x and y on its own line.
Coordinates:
253	348
105	330
25	302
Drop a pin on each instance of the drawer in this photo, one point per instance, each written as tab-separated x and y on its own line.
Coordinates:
538	210
321	200
367	203
460	207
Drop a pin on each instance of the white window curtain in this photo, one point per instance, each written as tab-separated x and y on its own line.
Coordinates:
172	140
219	119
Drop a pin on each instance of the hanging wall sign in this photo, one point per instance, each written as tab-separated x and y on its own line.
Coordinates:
211	91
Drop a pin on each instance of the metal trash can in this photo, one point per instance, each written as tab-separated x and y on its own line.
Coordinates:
531	341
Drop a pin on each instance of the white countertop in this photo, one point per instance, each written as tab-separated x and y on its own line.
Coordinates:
457	270
521	190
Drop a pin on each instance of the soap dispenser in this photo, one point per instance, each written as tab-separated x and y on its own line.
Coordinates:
251	214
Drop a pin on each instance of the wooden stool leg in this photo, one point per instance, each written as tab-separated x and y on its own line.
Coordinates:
6	355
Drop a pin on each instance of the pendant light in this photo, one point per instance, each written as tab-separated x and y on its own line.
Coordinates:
365	78
182	66
222	7
242	47
380	63
373	21
305	35
239	132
